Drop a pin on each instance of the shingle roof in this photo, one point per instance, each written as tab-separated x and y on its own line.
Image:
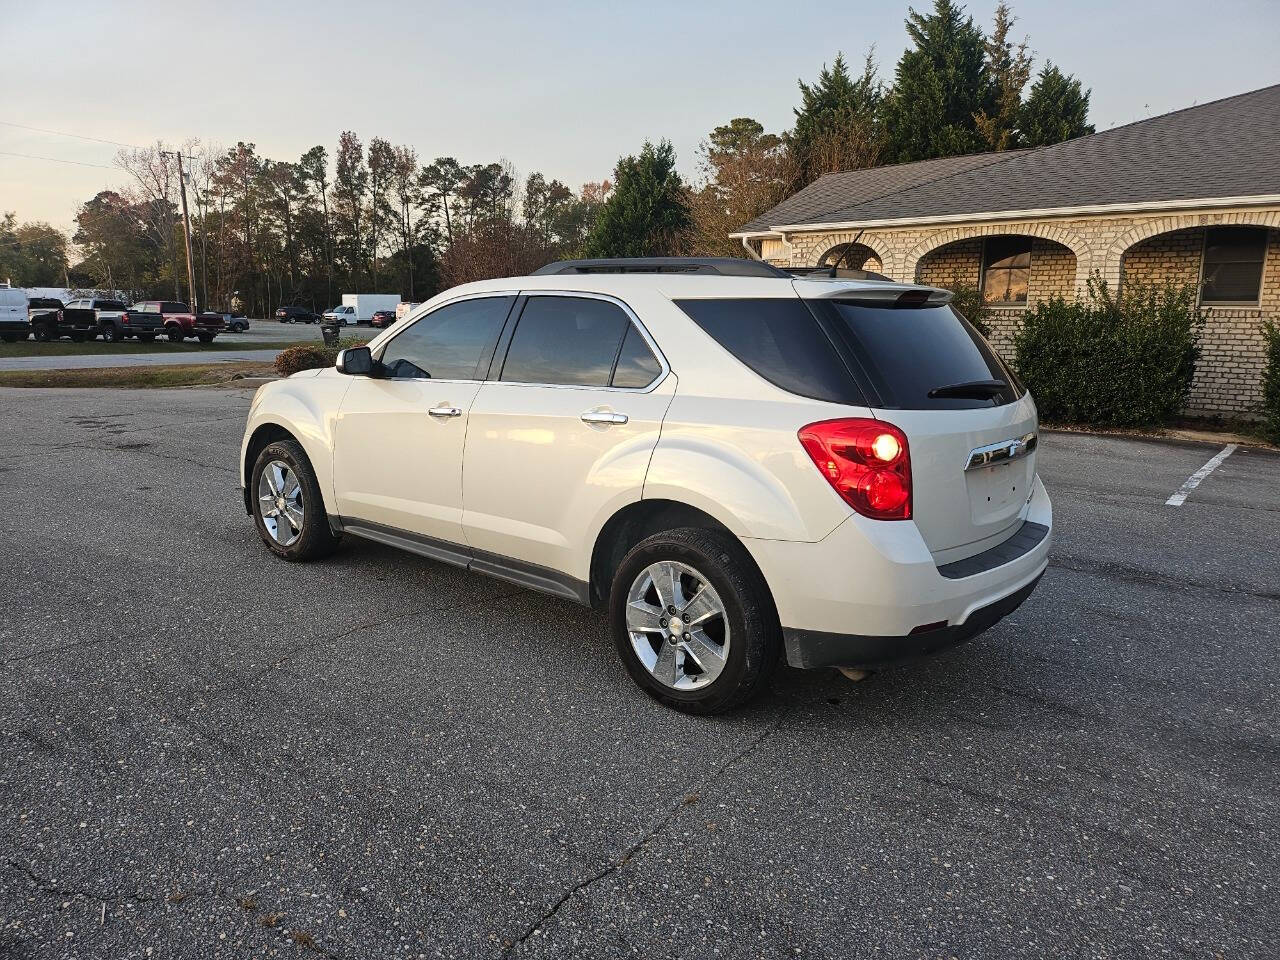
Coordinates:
1227	148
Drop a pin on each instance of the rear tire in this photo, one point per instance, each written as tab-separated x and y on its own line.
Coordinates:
315	539
147	337
206	337
44	332
12	338
79	336
744	631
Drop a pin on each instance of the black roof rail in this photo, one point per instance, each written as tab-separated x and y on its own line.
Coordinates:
840	273
719	266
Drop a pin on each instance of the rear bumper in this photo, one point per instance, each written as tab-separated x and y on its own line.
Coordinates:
814	648
871	593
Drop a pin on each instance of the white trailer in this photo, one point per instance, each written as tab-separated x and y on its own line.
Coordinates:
364	305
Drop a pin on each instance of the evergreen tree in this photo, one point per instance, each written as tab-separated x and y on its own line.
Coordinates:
940	87
837	122
648	213
1010	68
1057	109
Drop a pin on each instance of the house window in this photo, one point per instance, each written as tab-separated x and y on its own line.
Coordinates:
1233	264
1006	270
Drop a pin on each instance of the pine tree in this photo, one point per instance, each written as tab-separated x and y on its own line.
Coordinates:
940	87
837	122
648	213
1057	109
1010	68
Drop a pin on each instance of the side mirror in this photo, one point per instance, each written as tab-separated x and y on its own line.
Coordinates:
356	362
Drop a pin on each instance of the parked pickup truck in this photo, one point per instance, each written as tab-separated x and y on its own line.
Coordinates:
80	319
174	318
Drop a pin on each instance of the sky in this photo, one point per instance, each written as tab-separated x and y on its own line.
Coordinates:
560	87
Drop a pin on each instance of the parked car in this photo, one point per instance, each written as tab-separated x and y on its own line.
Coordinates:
178	322
14	322
293	314
382	318
341	315
81	319
736	464
235	324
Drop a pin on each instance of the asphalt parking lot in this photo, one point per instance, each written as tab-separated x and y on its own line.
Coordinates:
209	752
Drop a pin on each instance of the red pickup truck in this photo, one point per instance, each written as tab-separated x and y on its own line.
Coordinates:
176	319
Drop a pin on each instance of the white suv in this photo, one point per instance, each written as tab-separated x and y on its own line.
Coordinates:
737	464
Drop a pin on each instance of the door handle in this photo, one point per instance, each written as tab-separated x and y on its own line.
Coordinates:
601	416
445	411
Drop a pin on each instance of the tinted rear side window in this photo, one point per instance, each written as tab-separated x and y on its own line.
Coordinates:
905	352
781	341
637	366
565	340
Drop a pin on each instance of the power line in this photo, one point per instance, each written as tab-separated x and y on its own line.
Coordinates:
32	156
60	133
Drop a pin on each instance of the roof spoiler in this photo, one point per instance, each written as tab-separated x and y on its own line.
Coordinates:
716	266
886	296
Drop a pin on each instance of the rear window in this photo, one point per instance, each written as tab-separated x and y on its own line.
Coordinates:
905	352
109	305
781	341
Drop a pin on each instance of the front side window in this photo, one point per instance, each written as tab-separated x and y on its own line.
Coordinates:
1233	264
571	341
448	343
1006	270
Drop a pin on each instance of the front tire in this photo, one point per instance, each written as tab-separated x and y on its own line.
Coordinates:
174	334
288	509
725	652
111	333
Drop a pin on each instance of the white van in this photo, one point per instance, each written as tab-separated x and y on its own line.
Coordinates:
13	315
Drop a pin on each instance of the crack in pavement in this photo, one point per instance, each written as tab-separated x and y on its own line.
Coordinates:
687	799
52	888
1129	574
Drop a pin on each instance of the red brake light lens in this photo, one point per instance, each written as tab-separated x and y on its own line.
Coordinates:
866	461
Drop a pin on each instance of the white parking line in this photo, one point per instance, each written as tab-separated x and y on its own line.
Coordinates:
1193	481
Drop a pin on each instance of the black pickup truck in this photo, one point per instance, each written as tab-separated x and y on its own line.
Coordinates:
80	319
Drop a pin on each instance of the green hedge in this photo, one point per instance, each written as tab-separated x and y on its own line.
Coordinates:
1111	360
1271	384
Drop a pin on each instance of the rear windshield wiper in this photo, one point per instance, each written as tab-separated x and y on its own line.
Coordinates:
970	390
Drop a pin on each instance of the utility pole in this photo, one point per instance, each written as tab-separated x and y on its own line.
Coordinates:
186	229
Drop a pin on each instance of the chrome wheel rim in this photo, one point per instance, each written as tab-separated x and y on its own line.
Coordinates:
280	502
678	626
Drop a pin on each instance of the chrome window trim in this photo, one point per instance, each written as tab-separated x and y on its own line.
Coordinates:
663	367
1002	451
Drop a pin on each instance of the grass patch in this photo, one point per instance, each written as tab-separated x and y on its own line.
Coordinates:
161	375
67	348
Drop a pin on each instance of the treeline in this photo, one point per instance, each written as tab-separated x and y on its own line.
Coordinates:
377	217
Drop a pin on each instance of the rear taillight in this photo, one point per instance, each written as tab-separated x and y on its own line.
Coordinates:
866	461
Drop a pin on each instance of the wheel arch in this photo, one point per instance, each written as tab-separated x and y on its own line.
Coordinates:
643	518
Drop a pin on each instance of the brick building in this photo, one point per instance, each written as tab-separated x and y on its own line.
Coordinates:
1191	196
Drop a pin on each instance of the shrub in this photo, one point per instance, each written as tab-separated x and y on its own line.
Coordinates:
1271	383
308	357
1111	360
968	300
295	359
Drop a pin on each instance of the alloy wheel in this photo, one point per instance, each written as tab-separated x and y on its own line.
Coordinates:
280	502
678	625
